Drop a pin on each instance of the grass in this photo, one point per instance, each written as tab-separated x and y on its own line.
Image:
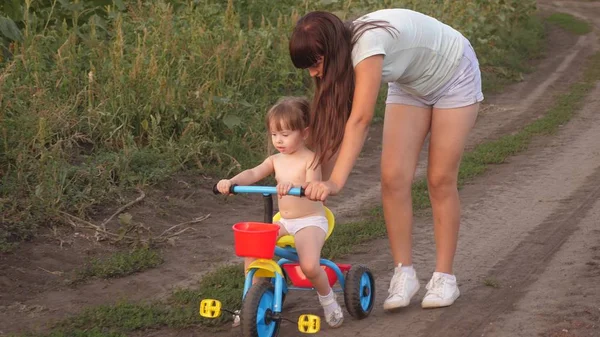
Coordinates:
226	283
570	23
120	264
94	105
179	311
93	332
491	282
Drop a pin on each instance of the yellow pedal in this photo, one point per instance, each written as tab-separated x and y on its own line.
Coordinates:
309	323
210	308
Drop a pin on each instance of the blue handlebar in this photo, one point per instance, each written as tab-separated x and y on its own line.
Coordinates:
297	191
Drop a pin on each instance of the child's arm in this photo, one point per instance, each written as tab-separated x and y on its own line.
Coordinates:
247	177
255	174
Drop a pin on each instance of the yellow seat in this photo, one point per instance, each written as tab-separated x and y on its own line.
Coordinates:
288	240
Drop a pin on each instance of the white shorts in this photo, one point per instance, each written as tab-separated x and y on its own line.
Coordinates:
463	89
292	226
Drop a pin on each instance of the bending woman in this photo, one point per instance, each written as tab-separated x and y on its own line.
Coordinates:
434	85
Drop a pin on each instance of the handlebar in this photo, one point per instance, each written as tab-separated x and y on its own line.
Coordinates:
235	189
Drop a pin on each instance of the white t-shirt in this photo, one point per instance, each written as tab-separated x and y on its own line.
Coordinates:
421	58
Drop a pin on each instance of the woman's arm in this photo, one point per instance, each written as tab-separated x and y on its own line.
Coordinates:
366	90
367	83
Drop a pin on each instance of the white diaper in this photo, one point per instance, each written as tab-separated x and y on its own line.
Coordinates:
292	226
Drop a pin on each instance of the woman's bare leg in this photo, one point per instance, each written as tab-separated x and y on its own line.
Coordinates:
404	132
449	131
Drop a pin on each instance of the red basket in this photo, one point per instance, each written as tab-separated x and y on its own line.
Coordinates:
255	239
294	272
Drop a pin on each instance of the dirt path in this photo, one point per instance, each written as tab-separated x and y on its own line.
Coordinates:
497	239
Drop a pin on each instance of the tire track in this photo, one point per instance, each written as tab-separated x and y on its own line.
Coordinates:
520	268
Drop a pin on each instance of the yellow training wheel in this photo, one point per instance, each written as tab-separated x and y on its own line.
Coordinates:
210	308
309	323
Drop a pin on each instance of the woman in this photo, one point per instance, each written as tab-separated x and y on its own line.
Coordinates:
434	85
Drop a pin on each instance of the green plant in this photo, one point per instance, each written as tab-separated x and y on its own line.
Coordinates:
120	264
99	97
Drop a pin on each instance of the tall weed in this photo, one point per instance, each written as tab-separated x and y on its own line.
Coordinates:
97	99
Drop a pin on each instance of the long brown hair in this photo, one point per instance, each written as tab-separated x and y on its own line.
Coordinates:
323	34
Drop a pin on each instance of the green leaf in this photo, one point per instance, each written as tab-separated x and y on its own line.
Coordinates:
120	5
9	29
245	104
125	219
13	9
98	21
231	121
222	100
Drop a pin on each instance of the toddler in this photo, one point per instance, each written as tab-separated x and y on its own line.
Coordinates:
287	122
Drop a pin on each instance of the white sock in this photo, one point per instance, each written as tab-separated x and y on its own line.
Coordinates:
409	270
448	276
328	302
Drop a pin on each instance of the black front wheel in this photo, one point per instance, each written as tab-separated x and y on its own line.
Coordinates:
359	291
257	312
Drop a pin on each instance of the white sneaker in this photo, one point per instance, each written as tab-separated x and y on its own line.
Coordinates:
334	317
442	291
236	319
402	288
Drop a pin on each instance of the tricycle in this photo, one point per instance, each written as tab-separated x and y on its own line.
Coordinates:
262	302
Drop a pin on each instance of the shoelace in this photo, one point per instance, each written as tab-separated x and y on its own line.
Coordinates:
397	284
437	286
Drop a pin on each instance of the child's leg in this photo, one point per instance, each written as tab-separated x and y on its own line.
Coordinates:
309	242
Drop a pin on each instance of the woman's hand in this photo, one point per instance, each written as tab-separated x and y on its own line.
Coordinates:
320	190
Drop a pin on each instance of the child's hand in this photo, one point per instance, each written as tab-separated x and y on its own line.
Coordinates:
224	186
283	189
